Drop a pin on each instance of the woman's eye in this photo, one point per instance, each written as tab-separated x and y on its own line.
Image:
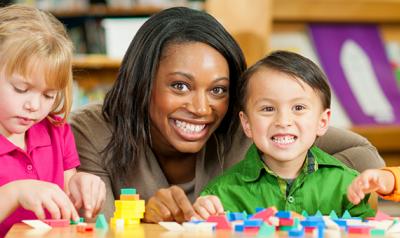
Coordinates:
180	87
218	90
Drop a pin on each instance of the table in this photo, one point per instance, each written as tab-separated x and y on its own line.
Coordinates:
21	230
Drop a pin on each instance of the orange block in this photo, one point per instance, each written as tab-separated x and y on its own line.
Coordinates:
129	197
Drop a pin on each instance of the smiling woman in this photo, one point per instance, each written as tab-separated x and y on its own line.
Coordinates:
170	122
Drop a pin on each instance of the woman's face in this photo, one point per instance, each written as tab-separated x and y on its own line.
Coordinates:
190	97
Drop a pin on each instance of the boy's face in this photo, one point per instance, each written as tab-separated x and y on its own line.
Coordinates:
283	116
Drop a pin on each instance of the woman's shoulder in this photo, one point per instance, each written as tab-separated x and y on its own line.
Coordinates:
88	122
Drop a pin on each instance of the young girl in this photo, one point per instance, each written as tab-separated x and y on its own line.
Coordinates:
37	149
385	182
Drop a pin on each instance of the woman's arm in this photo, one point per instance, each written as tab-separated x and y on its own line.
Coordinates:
91	136
352	149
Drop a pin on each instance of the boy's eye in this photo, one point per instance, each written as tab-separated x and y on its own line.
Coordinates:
218	90
180	86
299	107
268	109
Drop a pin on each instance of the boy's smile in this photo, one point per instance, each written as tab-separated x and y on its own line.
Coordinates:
283	116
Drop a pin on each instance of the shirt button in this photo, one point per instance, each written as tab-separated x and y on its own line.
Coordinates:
290	199
29	167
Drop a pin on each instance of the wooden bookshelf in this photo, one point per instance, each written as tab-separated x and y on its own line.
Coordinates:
385	138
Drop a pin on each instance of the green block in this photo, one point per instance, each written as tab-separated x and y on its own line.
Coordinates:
333	215
286	228
346	215
128	191
318	214
101	222
304	213
377	232
266	231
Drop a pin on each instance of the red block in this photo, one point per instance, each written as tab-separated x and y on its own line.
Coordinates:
358	229
309	229
265	214
222	222
286	222
251	230
57	222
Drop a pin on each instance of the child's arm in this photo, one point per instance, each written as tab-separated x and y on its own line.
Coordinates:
206	206
371	180
85	190
35	195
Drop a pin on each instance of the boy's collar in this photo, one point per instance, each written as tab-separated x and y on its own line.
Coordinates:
253	164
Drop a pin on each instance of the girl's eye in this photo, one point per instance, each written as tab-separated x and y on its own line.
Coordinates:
180	86
50	95
19	90
218	90
299	107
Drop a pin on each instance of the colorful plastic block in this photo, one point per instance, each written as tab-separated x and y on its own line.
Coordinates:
101	222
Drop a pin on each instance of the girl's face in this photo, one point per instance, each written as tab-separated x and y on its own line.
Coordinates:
23	101
189	97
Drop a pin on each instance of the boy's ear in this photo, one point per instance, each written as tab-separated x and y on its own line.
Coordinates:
245	124
324	122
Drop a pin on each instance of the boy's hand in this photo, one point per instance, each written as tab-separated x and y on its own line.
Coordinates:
206	206
36	195
169	204
370	180
87	191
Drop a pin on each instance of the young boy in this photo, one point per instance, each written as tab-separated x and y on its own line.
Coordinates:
285	107
385	182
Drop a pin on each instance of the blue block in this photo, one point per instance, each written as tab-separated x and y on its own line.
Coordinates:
296	233
259	209
283	214
239	228
253	223
341	222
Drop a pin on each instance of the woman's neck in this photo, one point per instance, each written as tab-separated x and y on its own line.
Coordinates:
178	168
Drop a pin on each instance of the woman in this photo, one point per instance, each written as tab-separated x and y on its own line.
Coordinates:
170	122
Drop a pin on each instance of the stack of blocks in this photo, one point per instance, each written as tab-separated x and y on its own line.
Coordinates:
129	209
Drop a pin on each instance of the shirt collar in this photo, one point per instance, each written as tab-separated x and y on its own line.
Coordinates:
253	164
38	135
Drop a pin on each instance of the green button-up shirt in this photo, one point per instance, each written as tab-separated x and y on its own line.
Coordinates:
321	185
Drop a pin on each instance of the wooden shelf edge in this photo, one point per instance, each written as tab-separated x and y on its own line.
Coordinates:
102	10
95	62
384	137
366	11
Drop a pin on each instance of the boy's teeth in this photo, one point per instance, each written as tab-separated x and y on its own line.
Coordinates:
188	127
284	139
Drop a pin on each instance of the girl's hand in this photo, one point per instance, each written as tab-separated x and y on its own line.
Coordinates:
87	191
169	204
36	195
370	180
206	206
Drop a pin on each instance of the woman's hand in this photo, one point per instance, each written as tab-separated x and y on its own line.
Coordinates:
206	206
87	191
169	204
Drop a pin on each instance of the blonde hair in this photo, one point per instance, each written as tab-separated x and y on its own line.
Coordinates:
31	38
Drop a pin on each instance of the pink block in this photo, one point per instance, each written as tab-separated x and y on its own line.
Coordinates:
222	222
57	222
264	214
380	216
358	229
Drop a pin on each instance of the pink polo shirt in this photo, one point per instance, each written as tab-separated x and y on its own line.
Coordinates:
50	150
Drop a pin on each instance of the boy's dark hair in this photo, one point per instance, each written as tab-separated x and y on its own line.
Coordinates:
292	64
